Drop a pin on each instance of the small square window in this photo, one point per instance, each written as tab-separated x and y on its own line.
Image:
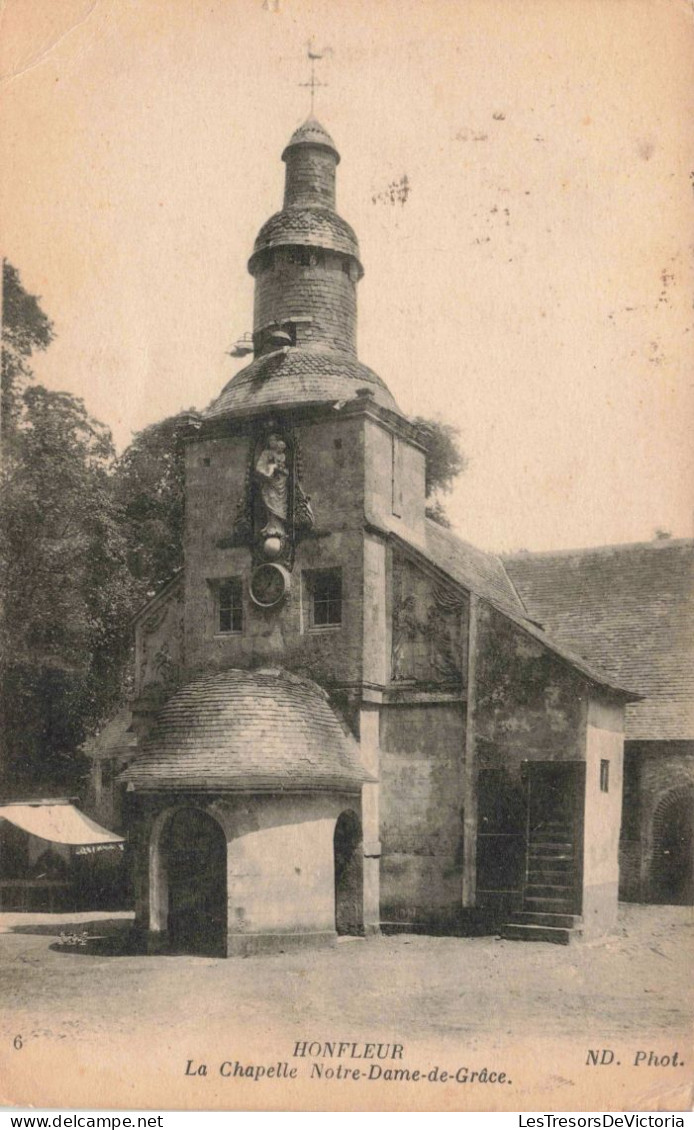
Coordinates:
604	776
324	587
230	606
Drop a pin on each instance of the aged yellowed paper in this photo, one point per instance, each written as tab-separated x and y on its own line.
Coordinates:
401	811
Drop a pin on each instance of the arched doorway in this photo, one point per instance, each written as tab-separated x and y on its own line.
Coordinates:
672	869
196	867
349	874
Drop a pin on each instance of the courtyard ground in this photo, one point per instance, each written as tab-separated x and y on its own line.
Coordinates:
133	1031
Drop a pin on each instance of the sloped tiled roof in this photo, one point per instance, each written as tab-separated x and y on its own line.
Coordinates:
264	730
629	609
298	377
307	226
482	572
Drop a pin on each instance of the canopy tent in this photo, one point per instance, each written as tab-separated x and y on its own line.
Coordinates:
59	822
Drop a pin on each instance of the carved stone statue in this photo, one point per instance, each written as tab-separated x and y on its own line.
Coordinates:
273	512
405	627
273	476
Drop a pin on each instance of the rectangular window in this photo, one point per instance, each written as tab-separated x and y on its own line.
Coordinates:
230	606
324	590
604	776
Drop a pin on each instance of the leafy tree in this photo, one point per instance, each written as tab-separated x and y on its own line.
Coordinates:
25	328
150	489
444	462
64	635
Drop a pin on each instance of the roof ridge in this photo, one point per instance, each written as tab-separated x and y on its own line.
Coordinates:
657	543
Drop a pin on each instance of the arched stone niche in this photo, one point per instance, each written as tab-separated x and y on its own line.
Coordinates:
670	847
280	868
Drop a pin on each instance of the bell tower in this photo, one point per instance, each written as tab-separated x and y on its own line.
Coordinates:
298	476
306	258
303	449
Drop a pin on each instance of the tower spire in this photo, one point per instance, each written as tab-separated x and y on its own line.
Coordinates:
313	82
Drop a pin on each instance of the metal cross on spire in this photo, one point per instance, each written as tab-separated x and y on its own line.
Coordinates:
313	82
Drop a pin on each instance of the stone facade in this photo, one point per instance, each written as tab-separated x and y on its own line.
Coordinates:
658	832
316	593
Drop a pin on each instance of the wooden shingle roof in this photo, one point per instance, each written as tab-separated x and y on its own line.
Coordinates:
294	377
628	609
308	226
262	731
481	572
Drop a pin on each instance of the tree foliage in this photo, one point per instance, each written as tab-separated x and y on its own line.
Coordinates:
150	489
66	590
25	328
444	462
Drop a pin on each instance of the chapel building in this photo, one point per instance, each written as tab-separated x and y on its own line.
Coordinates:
347	719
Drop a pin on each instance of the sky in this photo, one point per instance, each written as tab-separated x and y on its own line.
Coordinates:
534	288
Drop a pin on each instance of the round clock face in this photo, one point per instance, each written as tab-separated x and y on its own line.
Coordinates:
269	584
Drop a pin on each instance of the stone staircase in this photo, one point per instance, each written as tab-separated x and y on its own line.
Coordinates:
548	895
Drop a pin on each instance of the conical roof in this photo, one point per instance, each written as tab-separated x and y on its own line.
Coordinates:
311	132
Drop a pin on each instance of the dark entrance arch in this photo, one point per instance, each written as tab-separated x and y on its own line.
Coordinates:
672	871
196	865
349	874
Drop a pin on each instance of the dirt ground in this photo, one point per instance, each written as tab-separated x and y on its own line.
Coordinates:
136	1029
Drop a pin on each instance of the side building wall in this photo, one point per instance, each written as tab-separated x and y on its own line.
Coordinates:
422	752
529	707
603	813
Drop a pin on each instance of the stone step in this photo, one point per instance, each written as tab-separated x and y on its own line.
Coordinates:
526	932
550	875
546	846
548	890
535	918
548	905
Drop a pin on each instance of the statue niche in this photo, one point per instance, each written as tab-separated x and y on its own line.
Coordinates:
274	512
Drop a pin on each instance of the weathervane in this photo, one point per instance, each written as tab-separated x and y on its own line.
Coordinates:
313	81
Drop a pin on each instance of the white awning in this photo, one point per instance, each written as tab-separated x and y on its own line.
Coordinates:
58	823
